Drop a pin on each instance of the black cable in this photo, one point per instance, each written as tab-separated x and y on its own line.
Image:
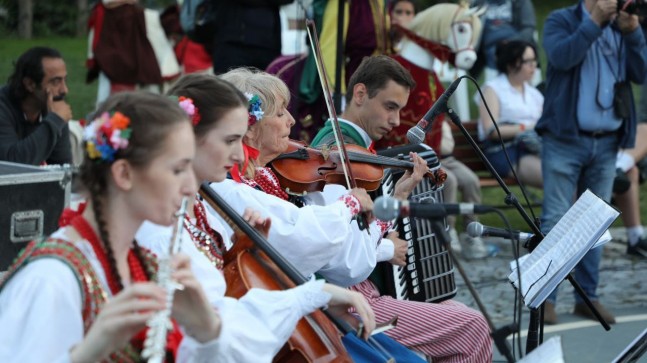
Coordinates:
505	151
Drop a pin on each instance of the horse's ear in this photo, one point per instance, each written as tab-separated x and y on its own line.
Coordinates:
477	11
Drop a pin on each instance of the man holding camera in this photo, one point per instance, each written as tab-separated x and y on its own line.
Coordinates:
594	49
33	113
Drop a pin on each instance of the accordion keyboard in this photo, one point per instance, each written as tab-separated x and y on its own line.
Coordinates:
428	275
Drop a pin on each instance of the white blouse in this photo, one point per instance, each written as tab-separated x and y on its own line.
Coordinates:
514	107
329	243
255	327
308	237
361	251
40	313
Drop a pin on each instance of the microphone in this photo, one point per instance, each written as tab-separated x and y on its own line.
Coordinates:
389	208
476	229
416	134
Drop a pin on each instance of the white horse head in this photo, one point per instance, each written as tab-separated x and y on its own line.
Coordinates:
456	26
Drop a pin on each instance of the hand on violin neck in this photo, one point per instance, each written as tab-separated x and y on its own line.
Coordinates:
254	218
410	180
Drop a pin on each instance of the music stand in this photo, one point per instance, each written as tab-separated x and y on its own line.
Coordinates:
536	324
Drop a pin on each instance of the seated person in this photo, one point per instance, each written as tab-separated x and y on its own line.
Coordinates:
33	110
516	106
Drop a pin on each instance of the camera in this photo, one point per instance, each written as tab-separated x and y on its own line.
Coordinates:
636	7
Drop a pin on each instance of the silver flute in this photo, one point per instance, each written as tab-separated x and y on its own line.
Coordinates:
160	323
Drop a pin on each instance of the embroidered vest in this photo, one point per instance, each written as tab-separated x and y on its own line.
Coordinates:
93	295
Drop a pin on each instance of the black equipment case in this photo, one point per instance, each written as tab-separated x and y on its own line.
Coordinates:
31	201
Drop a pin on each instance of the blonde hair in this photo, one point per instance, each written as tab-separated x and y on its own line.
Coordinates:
267	86
435	22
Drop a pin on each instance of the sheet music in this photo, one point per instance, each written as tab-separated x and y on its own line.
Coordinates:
605	238
574	235
548	352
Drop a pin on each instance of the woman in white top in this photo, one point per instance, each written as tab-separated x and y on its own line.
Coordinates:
255	327
86	293
516	107
328	241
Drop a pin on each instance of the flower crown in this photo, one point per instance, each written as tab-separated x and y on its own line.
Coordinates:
255	111
106	135
190	108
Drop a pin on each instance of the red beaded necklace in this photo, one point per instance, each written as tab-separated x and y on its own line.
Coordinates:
265	180
269	183
207	239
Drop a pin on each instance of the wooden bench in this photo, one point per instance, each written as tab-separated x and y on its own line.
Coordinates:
464	152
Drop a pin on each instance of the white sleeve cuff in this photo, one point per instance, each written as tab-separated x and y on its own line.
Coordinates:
385	250
311	296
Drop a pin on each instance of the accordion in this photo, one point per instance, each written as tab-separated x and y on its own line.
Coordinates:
428	275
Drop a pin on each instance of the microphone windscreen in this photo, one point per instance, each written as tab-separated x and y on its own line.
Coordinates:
386	208
416	135
474	229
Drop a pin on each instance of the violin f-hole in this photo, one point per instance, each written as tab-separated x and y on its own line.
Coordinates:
323	170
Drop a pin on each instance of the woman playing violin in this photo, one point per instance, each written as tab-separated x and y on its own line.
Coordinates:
85	294
447	331
345	262
256	326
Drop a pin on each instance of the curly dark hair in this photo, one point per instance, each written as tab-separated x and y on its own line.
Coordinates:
29	65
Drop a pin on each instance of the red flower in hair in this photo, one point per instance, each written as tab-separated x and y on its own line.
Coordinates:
190	108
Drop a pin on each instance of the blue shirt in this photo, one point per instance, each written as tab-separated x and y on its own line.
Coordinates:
600	70
568	36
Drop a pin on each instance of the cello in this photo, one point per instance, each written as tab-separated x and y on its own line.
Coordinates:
253	262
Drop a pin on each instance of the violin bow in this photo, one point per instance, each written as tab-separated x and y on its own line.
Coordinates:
362	222
323	78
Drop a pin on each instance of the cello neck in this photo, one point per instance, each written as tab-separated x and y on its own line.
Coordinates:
236	222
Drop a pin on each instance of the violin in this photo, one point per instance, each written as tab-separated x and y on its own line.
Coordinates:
253	263
303	169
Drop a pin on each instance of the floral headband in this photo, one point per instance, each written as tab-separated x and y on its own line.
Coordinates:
190	108
106	135
255	111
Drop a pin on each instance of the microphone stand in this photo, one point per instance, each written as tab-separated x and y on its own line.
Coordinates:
536	324
498	335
